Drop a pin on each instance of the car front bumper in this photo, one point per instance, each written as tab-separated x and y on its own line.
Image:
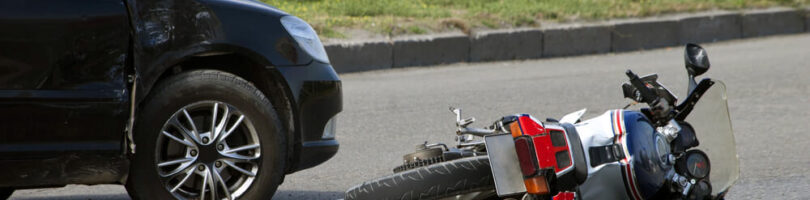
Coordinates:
318	97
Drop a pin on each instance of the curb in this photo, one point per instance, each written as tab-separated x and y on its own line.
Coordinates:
644	34
365	56
506	45
710	28
431	49
577	40
566	40
807	19
772	22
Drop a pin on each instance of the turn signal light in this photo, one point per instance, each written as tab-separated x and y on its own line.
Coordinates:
536	185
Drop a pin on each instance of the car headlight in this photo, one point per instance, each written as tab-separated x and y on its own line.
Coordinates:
329	129
306	37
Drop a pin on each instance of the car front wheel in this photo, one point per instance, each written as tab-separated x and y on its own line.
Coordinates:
207	134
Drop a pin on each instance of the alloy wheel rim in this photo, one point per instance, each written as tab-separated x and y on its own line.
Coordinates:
208	150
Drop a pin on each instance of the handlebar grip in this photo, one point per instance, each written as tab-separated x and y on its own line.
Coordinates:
647	95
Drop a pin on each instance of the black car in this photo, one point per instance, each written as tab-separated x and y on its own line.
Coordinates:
186	99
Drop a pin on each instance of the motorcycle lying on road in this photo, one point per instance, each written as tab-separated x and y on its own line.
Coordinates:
662	151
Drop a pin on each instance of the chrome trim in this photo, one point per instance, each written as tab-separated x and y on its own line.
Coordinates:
131	124
670	130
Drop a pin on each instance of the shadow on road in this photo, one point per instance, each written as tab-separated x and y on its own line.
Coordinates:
298	194
78	197
280	195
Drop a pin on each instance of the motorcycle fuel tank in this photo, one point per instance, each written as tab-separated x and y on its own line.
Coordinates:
645	164
636	174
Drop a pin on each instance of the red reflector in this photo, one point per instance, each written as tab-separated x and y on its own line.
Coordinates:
525	154
565	196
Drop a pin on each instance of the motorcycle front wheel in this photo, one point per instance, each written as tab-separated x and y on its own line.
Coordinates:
466	176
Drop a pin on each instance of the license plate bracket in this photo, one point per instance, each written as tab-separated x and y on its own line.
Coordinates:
505	166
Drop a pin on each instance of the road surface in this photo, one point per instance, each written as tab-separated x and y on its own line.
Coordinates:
387	112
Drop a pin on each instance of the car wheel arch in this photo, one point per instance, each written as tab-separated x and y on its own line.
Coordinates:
269	81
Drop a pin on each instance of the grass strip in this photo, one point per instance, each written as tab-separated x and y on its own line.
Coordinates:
333	18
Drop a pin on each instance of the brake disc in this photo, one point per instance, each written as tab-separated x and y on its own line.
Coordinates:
423	156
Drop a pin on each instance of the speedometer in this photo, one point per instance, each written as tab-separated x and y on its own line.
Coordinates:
694	164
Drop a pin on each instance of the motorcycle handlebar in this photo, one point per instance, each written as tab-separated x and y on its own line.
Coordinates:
660	108
476	131
647	95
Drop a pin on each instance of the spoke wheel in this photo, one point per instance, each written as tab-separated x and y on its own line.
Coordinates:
208	150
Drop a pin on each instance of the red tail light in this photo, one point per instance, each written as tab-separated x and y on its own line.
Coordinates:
526	155
542	151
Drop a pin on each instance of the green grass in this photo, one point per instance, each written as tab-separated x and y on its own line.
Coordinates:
416	30
394	17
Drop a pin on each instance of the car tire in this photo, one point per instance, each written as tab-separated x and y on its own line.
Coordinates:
440	180
179	96
5	193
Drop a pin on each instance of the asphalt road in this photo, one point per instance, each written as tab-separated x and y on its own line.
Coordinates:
387	112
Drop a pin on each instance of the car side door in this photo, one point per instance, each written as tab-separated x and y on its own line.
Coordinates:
63	69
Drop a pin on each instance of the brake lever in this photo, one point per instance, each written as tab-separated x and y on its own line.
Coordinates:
461	123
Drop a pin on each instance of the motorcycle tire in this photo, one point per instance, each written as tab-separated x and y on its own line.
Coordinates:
445	179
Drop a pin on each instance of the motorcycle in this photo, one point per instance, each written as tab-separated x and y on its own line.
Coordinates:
661	151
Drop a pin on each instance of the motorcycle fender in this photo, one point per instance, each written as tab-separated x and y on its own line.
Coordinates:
505	165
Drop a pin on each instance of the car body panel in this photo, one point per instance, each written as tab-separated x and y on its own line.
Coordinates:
318	97
88	167
167	35
62	68
79	95
171	31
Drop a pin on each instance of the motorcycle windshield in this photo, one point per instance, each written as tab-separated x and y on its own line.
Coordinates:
712	124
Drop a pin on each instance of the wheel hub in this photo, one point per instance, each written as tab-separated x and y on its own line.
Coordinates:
208	155
208	150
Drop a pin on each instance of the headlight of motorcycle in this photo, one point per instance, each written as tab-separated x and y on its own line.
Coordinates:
306	37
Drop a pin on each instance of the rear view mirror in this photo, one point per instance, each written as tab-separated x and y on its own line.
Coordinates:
697	63
696	59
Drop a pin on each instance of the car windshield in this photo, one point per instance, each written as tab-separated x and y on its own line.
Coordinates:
710	119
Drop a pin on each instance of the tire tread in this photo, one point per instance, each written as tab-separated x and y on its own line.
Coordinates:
430	182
